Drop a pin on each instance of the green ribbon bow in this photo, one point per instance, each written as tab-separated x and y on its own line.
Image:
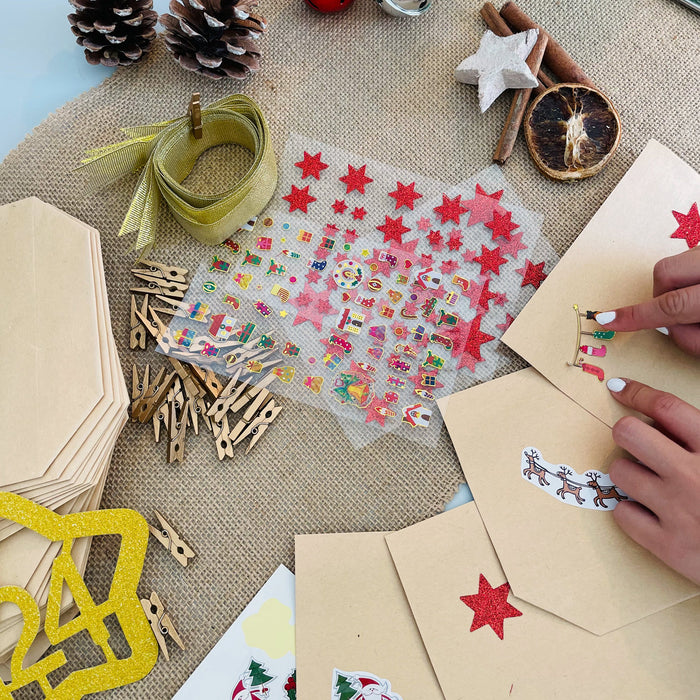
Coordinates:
167	152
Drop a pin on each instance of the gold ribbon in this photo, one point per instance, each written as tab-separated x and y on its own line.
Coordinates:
167	152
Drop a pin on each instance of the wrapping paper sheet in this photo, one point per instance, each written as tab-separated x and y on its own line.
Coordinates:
417	267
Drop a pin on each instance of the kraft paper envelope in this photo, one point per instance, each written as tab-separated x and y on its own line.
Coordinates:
610	265
571	560
352	616
540	655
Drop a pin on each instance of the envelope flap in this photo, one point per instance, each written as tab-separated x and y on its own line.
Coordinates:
570	560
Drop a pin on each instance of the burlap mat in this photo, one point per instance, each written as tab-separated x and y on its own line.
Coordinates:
374	85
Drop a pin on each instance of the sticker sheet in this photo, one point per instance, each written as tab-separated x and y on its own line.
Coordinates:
254	660
367	290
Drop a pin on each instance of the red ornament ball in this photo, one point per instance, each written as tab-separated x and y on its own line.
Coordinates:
327	6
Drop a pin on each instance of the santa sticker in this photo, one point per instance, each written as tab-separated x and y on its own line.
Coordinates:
359	685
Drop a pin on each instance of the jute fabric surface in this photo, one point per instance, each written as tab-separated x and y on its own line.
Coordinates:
373	85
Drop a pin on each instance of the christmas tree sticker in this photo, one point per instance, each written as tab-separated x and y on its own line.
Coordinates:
360	685
253	684
342	688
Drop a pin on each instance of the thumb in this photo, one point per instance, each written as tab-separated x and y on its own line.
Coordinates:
679	306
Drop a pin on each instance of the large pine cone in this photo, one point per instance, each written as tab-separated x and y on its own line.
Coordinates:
214	37
113	32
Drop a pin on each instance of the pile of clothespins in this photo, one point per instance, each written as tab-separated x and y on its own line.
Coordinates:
179	399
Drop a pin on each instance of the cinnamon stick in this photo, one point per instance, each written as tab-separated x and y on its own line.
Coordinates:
519	104
555	57
498	26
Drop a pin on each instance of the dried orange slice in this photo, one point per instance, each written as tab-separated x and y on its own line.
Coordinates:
572	131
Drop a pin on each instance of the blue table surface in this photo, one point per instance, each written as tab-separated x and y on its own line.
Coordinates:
41	74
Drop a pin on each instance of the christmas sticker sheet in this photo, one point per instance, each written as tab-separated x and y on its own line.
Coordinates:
254	660
356	638
485	641
537	466
367	290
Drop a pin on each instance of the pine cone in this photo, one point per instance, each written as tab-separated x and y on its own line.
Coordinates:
214	37
113	32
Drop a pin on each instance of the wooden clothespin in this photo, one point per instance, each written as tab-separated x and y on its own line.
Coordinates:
252	392
138	387
249	415
156	270
155	285
177	428
226	399
169	538
162	414
154	396
195	112
260	424
208	380
161	623
224	445
138	330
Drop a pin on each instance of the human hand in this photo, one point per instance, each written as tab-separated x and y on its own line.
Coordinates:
675	308
666	480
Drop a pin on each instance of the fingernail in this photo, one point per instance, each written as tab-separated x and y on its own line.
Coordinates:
616	384
662	329
605	317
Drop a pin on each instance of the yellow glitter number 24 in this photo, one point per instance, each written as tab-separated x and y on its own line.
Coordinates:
122	601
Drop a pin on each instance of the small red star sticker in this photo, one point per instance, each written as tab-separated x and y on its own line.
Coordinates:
480	295
312	276
339	206
299	198
436	241
490	260
350	236
447	267
483	206
451	209
359	213
330	229
514	245
356	179
405	195
454	242
311	165
532	274
501	225
423	224
393	229
490	606
506	324
689	226
469	255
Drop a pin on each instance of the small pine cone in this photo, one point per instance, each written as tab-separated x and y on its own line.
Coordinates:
113	32
214	37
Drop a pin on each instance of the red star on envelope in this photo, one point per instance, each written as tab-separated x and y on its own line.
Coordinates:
483	206
451	209
436	240
405	195
339	206
356	179
312	306
299	198
503	327
532	274
689	226
490	606
514	245
490	260
480	295
454	242
350	235
393	229
423	224
359	213
311	165
501	225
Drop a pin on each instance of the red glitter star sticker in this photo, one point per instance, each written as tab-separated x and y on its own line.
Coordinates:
490	606
514	245
356	179
339	206
506	324
483	206
436	241
454	242
501	225
311	165
393	229
312	306
532	274
451	209
372	412
480	295
468	339
299	198
447	267
350	235
405	195
689	228
359	213
490	260
423	224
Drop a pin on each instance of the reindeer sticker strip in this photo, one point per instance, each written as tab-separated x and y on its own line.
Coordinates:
593	490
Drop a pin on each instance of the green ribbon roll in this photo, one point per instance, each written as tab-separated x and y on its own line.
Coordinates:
167	152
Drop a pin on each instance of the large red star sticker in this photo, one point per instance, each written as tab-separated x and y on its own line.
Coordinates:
311	165
393	229
299	198
467	339
451	209
532	274
479	294
356	179
490	260
490	606
312	306
483	206
689	226
405	195
501	225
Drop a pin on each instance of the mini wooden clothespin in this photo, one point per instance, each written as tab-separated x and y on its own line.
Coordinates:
195	112
224	445
138	387
208	380
259	424
156	270
167	536
153	397
138	330
161	623
177	428
228	396
155	285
